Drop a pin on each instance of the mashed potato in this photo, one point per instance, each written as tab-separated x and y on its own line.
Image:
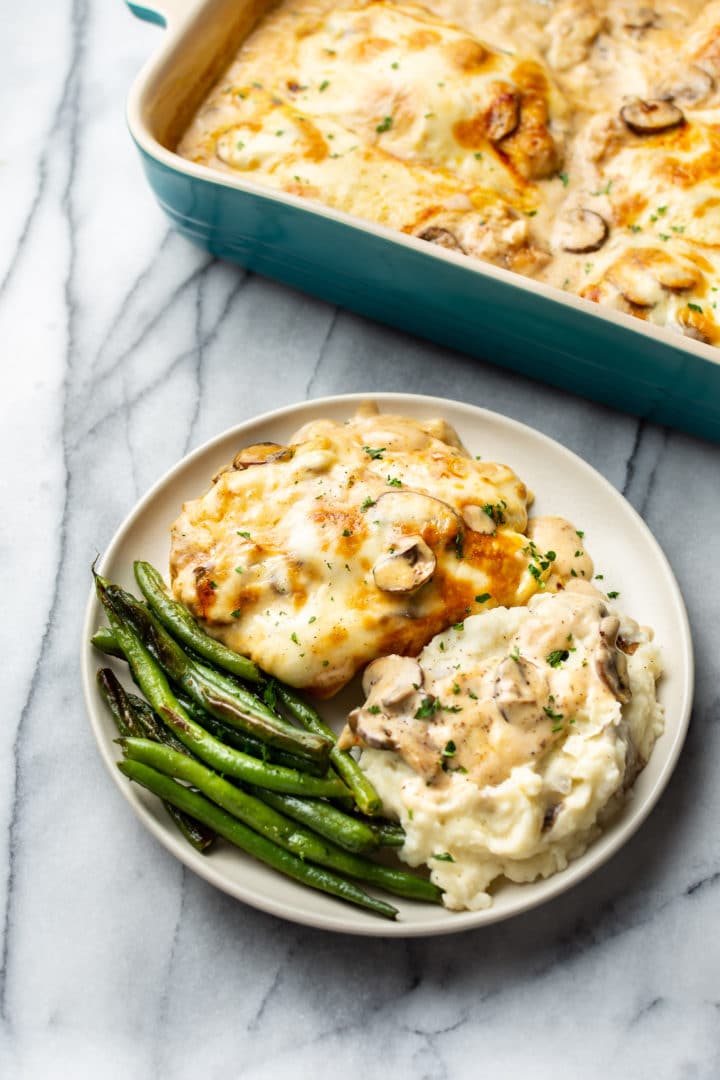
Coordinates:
505	746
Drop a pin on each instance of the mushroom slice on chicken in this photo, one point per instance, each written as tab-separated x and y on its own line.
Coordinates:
261	454
651	117
443	238
689	85
580	231
406	567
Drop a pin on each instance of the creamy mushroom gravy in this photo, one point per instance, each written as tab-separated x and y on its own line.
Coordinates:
505	746
576	142
447	712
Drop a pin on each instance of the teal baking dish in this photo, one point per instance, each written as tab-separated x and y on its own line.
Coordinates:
449	298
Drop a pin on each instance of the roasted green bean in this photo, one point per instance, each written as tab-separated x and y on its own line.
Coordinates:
248	840
152	681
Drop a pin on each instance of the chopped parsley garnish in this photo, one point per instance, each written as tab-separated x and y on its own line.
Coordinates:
495	511
459	546
427	707
482	598
236	613
535	571
450	749
515	654
459	626
456	688
604	190
374	452
599	577
385	125
394	481
347	532
661	209
565	178
580	533
473	695
367	503
555	716
213	585
478	155
695	307
240	144
635	228
452	708
530	213
323	85
245	534
664	235
374	709
294	637
394	65
238	569
444	856
557	727
557	657
312	618
612	595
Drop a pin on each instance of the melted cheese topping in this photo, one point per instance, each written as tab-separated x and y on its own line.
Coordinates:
527	727
499	131
357	540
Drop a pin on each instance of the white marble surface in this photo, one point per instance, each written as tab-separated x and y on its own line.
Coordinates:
123	348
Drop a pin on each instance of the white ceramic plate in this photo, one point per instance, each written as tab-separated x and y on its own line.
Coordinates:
621	545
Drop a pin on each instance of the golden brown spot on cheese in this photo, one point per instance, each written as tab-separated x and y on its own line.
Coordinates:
421	39
625	211
468	55
368	49
316	149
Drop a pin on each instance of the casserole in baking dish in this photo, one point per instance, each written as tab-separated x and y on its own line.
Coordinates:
265	220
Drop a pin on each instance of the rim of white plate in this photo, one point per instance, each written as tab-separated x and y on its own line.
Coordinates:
343	918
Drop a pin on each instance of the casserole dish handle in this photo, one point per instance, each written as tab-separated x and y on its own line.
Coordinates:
162	12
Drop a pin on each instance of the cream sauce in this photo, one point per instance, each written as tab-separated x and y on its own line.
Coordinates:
457	710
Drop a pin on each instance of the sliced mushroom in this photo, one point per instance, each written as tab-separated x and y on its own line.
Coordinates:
391	681
413	513
610	663
550	816
635	282
642	274
391	685
689	85
672	275
443	238
476	519
640	18
581	231
651	117
370	729
519	688
409	564
503	115
261	454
